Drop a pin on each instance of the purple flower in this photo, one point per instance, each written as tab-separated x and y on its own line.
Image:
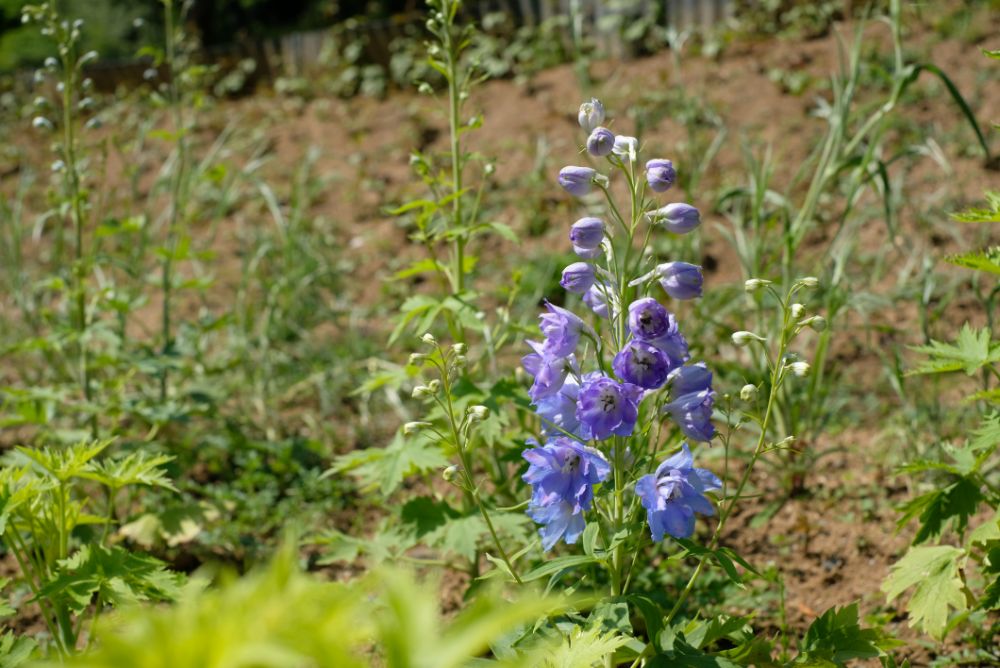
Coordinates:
562	475
559	409
693	413
591	114
660	175
577	180
678	217
673	494
587	234
562	331
549	371
596	299
600	142
648	319
642	364
688	379
577	277
606	407
680	279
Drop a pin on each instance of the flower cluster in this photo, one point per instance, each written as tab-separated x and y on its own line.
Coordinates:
648	376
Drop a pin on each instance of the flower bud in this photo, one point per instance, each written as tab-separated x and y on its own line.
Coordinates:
459	348
600	142
586	235
461	360
748	392
678	217
660	175
577	277
416	358
434	386
797	311
429	339
754	284
411	428
477	413
449	473
626	147
576	180
743	338
809	281
41	123
421	391
680	280
591	115
817	323
800	369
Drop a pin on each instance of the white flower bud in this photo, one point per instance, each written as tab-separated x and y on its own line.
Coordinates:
434	385
416	358
743	338
798	310
809	281
755	284
459	348
449	473
421	391
748	392
429	339
41	123
800	369
411	428
460	360
477	413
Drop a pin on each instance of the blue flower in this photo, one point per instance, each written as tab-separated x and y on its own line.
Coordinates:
648	319
586	235
691	378
577	180
600	142
642	364
562	330
577	277
606	407
660	175
562	474
680	280
693	413
673	494
559	409
549	371
678	217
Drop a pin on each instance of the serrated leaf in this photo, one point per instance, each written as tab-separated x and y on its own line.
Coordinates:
933	572
956	503
837	637
987	260
972	350
386	468
579	649
987	435
988	214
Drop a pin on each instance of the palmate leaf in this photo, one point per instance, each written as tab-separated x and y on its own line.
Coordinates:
136	468
986	437
115	574
15	650
836	637
973	350
987	260
956	503
989	214
385	469
581	648
934	572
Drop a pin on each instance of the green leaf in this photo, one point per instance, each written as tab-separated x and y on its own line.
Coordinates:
986	437
554	566
115	574
956	502
972	351
837	637
989	214
934	574
14	650
987	260
386	468
579	649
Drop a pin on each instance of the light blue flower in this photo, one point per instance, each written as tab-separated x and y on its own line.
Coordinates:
673	495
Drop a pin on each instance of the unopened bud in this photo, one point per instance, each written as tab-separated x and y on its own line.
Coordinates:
798	310
459	348
785	442
809	281
41	123
421	391
429	339
754	284
743	338
460	360
748	392
411	428
800	369
478	413
449	473
416	358
817	323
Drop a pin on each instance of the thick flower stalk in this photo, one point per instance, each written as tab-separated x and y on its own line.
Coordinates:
607	384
